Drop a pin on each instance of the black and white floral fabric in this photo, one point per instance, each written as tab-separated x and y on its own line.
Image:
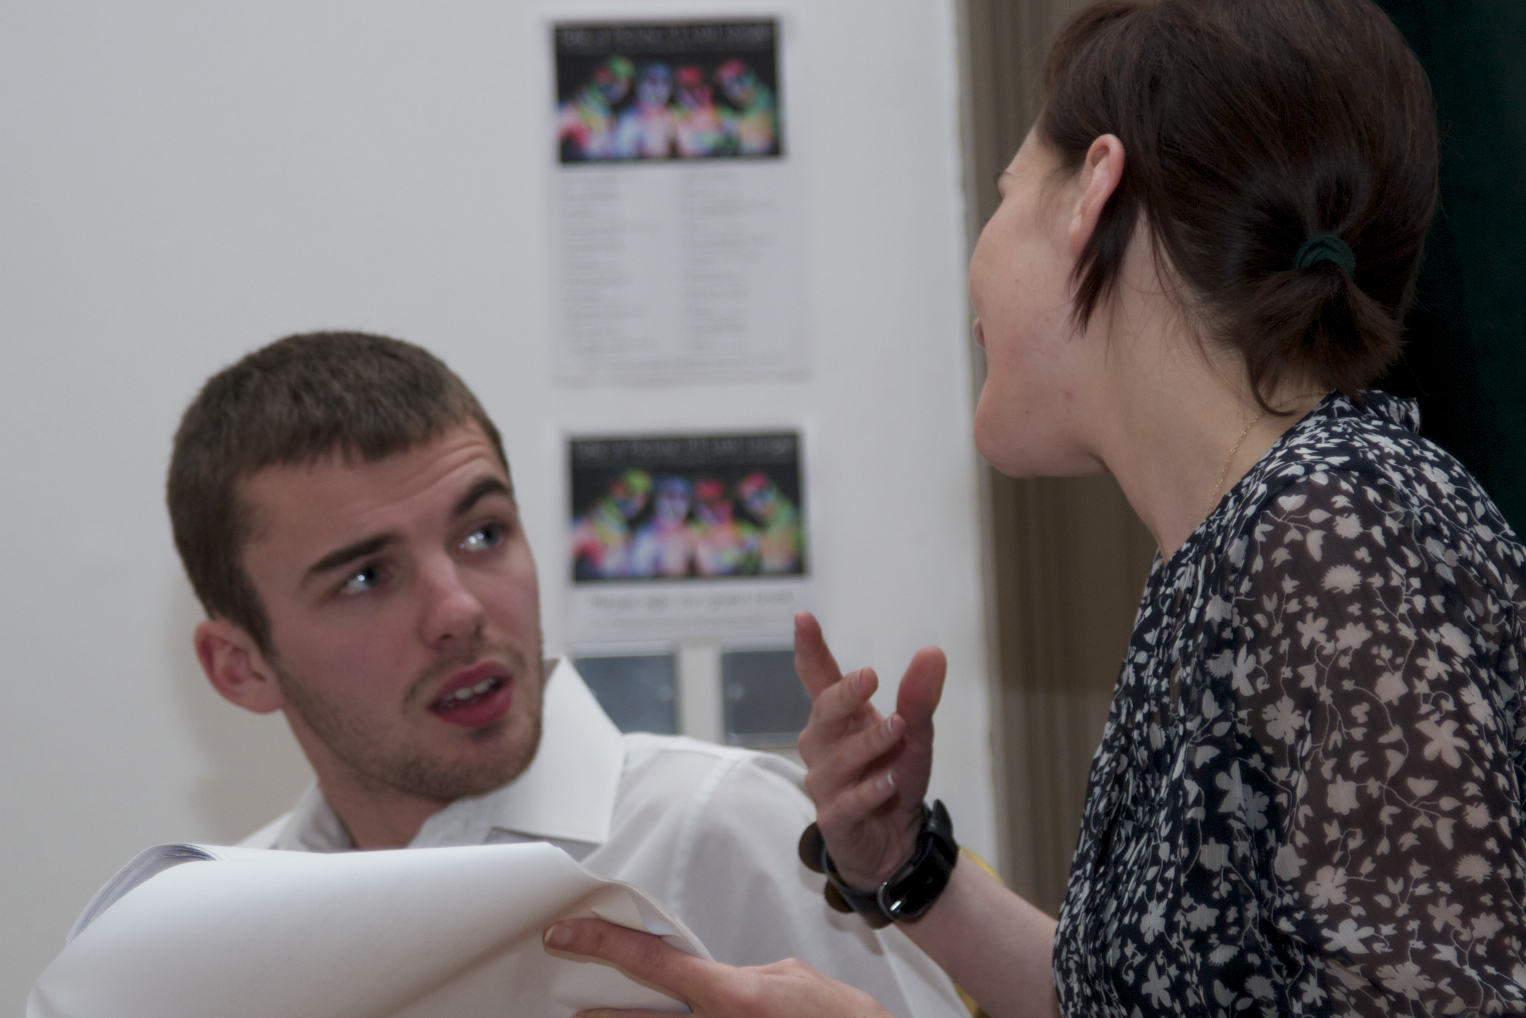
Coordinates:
1308	795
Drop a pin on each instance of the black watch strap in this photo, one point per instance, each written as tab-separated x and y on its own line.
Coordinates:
910	891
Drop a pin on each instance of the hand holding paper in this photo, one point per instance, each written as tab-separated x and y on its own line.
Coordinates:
188	931
785	989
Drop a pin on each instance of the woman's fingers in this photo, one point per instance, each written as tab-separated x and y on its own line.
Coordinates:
920	690
814	663
839	703
855	804
641	954
847	760
839	711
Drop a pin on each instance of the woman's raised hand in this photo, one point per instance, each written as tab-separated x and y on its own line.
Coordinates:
786	989
867	773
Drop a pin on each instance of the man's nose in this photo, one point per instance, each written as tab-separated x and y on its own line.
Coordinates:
451	610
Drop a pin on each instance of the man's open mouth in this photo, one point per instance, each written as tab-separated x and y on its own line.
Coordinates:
466	696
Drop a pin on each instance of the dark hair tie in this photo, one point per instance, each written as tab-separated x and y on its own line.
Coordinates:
1327	247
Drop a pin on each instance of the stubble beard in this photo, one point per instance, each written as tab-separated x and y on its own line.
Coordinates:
384	765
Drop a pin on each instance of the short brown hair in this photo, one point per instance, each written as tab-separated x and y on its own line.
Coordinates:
297	401
1250	127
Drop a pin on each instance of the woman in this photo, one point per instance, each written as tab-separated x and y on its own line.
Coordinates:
1308	794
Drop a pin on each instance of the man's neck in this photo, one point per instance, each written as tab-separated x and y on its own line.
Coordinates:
380	821
375	814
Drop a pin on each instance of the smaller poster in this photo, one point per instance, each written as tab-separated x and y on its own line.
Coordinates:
686	536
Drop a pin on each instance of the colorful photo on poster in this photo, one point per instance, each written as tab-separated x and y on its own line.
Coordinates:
675	507
631	91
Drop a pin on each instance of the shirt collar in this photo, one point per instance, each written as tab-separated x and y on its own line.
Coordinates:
567	794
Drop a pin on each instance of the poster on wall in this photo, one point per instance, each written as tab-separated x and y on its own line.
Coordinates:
686	536
677	251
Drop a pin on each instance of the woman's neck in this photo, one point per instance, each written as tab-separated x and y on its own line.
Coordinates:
1184	427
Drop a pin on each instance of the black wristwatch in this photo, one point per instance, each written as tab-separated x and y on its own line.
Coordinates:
910	891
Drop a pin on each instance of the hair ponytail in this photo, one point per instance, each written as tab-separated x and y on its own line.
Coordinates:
1313	324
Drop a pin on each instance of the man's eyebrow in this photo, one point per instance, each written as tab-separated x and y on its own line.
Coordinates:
349	553
482	489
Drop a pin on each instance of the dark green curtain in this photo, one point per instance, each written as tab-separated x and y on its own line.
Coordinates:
1465	355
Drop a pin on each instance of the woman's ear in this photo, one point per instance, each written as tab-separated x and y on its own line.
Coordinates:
236	667
1100	173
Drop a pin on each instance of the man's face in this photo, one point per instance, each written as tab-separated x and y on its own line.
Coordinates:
404	617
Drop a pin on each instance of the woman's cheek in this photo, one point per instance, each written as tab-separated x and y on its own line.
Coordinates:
987	425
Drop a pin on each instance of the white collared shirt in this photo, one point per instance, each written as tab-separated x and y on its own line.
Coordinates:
710	830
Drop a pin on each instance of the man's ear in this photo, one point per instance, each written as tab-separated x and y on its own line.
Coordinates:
1100	173
236	668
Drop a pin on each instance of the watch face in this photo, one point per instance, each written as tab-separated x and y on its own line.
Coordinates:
906	895
910	899
928	871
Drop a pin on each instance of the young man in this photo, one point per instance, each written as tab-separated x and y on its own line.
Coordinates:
344	510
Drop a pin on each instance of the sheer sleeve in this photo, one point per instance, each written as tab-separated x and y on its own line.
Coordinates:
1374	659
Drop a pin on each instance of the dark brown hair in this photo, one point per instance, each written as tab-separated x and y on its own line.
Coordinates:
1250	127
297	401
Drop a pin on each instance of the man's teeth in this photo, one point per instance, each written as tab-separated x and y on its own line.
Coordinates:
470	692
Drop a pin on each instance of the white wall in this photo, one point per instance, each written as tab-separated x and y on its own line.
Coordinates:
181	182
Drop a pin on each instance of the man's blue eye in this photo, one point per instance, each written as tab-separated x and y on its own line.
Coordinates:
483	537
360	581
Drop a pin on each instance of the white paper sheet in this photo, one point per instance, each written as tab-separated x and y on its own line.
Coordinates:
196	931
679	272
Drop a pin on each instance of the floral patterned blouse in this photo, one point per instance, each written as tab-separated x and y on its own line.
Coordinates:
1308	796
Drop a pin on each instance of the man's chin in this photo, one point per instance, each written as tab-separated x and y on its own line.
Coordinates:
503	754
446	784
426	759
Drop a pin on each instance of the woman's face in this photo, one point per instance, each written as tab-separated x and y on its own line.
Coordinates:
1030	412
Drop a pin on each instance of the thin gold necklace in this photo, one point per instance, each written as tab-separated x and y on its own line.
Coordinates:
1213	496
